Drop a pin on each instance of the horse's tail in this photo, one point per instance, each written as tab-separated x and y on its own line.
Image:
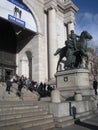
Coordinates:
57	51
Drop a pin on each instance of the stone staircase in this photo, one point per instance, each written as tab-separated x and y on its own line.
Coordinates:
85	115
25	115
26	95
64	121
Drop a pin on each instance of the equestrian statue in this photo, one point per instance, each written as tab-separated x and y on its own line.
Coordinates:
74	50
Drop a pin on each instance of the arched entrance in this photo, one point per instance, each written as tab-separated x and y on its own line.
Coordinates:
26	64
17	27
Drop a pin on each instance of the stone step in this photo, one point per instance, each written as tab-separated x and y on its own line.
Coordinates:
13	106
64	123
28	124
35	119
23	110
92	121
22	115
4	108
82	114
85	115
47	126
62	119
26	95
17	115
21	103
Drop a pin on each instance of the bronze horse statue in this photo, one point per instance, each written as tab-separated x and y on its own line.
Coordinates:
74	57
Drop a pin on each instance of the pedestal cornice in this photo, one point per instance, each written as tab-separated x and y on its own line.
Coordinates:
67	72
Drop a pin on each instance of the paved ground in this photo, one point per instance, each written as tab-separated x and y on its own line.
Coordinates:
90	124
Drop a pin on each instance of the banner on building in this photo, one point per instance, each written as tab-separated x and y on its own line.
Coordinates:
17	13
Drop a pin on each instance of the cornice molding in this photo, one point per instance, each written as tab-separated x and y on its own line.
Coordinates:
70	6
62	6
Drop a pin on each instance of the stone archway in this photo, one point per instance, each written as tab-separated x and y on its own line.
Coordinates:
34	15
17	34
26	64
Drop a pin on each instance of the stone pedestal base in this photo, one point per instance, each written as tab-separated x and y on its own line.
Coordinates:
64	108
76	78
71	81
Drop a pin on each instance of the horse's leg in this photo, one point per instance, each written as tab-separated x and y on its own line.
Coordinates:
57	66
84	54
87	59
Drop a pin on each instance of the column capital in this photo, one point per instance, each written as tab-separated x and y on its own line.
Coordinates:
66	22
50	4
69	17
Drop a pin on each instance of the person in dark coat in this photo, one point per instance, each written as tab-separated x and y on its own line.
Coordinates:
20	86
95	86
8	85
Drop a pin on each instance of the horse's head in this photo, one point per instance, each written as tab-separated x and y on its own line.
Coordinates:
86	35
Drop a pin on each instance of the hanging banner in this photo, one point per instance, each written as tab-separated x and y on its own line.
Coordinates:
17	13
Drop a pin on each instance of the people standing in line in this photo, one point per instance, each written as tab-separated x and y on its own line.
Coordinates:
95	83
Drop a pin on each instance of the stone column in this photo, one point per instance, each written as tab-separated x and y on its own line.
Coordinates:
17	69
52	41
70	26
69	17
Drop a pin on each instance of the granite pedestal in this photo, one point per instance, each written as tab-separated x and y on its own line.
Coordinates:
71	81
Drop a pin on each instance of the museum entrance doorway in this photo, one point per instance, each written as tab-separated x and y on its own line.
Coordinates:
13	38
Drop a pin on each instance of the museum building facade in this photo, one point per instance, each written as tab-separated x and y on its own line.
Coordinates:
31	31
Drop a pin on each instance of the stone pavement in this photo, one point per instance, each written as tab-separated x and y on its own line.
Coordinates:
90	124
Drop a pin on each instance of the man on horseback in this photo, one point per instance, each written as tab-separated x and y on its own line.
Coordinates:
71	45
68	51
72	37
74	50
69	63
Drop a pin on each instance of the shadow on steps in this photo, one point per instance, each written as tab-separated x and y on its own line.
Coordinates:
84	124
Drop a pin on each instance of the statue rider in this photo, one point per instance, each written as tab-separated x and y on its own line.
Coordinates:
71	45
72	37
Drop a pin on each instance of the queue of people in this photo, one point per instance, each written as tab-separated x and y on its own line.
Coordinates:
23	82
42	88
